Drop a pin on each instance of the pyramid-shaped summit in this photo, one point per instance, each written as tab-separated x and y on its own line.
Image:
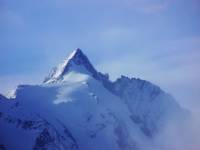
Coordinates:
77	61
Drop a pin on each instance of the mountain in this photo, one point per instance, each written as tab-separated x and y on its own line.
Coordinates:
76	62
77	107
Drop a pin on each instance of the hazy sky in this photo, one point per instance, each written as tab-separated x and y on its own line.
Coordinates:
157	40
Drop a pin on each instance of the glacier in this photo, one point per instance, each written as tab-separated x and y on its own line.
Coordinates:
77	107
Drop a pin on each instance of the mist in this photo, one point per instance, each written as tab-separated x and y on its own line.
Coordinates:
179	134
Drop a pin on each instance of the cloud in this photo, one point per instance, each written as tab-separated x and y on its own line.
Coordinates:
176	135
180	135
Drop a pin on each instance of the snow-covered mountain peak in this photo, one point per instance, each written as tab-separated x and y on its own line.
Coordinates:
76	62
77	56
88	111
75	52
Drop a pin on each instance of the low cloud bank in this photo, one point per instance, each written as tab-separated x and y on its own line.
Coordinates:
178	135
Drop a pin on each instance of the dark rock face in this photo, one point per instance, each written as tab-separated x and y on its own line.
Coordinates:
51	138
149	132
43	140
2	147
80	59
47	135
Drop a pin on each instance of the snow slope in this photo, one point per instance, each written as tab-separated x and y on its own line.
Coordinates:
79	108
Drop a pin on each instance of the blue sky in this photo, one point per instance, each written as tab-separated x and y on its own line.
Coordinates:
157	40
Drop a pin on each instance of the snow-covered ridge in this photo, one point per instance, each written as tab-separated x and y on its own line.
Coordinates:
78	107
141	97
148	103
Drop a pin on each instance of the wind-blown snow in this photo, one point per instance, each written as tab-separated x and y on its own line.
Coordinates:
11	94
